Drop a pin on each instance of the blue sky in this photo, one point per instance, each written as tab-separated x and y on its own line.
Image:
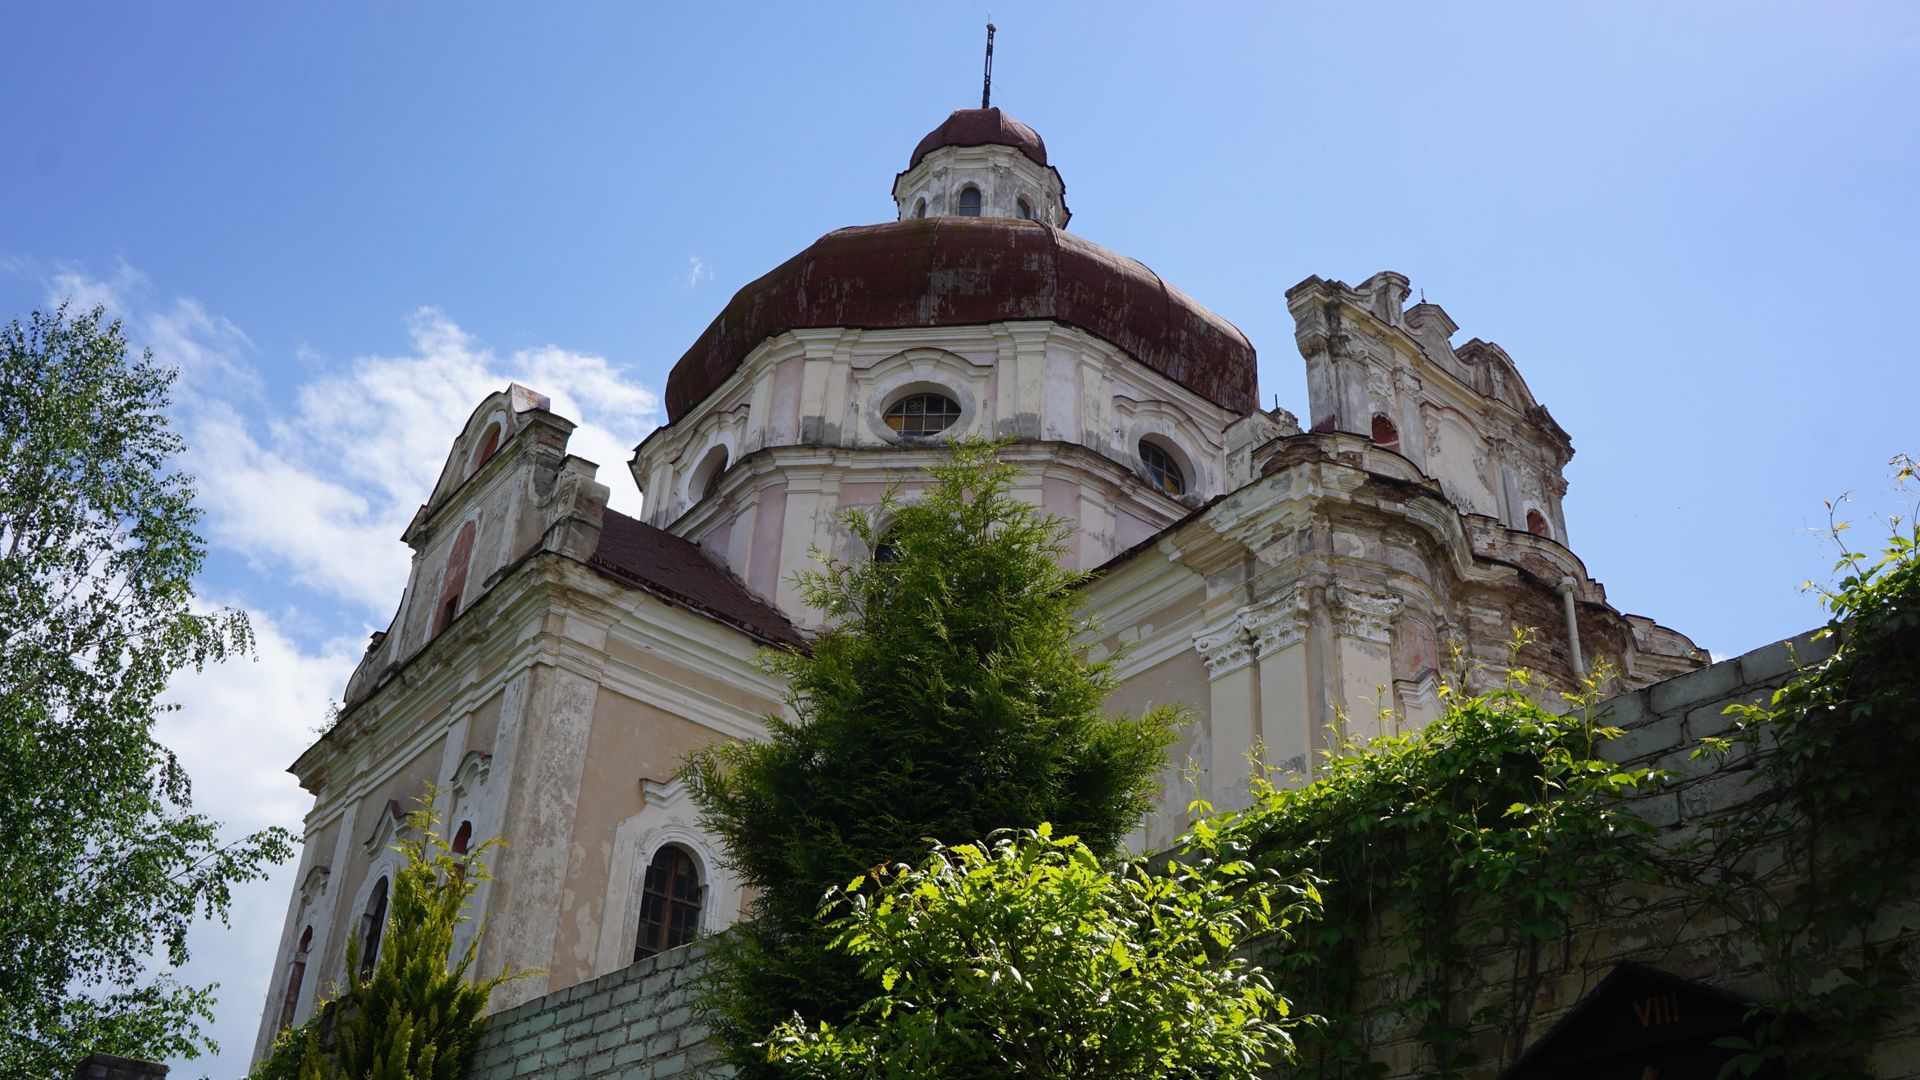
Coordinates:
1691	225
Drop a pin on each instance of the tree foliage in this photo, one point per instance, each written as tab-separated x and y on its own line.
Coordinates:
949	699
1027	957
102	863
418	1015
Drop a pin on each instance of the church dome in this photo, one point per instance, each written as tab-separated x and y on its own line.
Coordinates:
960	271
982	127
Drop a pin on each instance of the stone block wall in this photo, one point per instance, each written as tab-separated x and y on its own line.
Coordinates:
1663	724
634	1023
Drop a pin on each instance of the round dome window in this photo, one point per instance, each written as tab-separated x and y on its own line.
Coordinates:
1162	470
920	415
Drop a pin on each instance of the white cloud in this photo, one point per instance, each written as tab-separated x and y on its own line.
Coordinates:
239	725
697	270
321	492
317	492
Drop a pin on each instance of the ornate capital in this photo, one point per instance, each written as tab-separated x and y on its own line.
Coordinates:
1225	649
1278	621
1364	613
1254	631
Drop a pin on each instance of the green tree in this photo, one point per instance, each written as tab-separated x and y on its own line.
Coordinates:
1029	958
103	866
417	1016
949	699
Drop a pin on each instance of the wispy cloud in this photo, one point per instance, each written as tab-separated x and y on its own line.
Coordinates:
697	270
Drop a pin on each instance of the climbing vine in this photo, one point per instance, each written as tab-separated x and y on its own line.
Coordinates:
1501	826
1822	864
1492	823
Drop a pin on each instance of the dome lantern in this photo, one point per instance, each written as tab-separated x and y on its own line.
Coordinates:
982	163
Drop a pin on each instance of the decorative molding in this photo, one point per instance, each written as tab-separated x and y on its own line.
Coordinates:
1364	614
1379	384
389	828
472	774
657	793
314	886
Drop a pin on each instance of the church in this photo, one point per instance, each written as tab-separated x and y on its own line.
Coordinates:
552	660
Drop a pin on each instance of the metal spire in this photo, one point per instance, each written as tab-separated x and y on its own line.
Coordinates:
986	81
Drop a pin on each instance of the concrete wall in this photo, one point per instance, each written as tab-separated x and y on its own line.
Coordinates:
635	1022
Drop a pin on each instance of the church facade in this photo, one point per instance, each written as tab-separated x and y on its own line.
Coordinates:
1293	585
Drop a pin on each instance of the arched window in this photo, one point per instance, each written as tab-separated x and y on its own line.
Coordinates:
923	414
1023	209
488	445
372	924
884	549
1162	470
669	903
969	202
462	838
1537	524
920	208
296	973
1385	433
454	581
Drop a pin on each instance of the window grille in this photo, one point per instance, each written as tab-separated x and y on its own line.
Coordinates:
921	415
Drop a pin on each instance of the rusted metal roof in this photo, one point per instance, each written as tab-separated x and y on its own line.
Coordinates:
674	569
982	127
956	271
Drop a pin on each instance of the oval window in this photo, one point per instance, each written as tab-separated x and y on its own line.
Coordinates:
1162	470
921	415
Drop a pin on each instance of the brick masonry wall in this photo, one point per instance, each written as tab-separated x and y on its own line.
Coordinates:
1663	723
636	1023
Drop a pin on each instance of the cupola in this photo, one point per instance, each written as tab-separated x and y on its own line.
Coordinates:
982	163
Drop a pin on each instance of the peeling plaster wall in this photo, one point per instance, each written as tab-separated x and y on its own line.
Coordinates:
1317	604
802	421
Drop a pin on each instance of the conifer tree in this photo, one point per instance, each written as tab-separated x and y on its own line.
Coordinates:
949	698
417	1015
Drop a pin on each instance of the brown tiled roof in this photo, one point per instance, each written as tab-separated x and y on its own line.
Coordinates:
674	569
959	271
982	127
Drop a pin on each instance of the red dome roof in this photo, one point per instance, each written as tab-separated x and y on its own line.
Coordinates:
982	127
955	271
